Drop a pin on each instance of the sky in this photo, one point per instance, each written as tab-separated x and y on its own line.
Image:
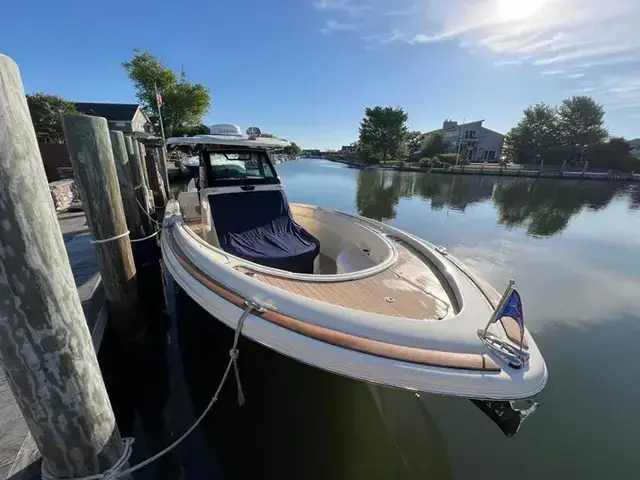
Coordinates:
305	70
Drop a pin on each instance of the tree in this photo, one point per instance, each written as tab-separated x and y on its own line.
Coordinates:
191	130
183	103
293	149
613	155
581	122
434	144
46	111
414	142
382	134
534	136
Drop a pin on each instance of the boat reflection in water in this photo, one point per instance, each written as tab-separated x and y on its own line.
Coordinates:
298	421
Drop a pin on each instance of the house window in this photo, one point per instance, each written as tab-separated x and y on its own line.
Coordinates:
470	134
489	155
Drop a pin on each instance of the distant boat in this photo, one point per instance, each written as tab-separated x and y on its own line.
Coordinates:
339	291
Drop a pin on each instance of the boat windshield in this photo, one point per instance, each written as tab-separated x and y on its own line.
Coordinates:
231	168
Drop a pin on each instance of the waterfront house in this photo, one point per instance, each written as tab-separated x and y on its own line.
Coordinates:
311	153
126	117
475	142
349	153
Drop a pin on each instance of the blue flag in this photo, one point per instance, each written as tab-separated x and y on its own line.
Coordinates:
513	308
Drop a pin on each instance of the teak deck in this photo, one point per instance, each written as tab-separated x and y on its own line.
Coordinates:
408	289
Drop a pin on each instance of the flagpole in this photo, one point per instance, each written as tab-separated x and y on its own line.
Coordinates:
459	140
159	111
505	295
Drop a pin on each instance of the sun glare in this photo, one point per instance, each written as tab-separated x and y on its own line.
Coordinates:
509	10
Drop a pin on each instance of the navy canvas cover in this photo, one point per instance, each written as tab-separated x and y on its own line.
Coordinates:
258	226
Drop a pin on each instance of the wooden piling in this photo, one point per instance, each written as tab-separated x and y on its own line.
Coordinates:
45	344
162	162
140	188
162	184
142	151
125	180
92	159
155	184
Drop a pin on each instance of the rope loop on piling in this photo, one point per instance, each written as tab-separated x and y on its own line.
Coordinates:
115	471
111	473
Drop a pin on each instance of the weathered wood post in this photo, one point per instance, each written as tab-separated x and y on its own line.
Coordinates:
162	162
159	197
45	344
125	173
163	186
142	151
140	188
95	172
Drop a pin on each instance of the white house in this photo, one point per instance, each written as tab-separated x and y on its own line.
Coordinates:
635	147
474	142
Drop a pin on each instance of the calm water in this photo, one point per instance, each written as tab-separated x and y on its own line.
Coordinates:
573	248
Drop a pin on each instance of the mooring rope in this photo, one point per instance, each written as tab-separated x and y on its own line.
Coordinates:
145	212
116	471
110	239
135	240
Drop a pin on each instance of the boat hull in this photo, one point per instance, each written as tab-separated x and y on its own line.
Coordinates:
297	331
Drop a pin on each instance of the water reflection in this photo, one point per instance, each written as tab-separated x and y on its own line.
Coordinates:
543	207
634	197
301	422
138	381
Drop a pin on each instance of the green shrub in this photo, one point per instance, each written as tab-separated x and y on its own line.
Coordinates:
449	158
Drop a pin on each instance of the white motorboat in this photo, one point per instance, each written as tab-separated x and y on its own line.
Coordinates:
339	291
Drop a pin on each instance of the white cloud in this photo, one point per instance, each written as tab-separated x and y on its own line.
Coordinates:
350	7
334	26
402	12
616	92
583	53
506	63
584	90
579	37
553	72
422	38
610	61
392	37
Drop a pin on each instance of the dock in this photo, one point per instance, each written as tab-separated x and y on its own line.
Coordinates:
18	453
497	170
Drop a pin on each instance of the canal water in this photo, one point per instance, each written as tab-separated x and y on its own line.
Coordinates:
573	249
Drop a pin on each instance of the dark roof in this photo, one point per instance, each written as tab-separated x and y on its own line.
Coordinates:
111	111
